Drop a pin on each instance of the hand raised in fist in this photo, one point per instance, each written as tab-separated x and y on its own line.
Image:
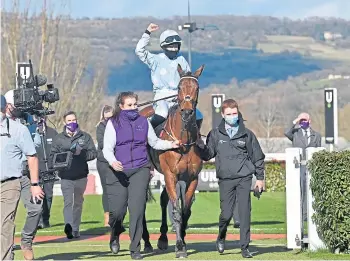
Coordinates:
152	27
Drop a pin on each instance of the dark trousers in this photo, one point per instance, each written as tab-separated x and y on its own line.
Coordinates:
235	212
303	192
104	169
47	202
145	233
229	190
129	190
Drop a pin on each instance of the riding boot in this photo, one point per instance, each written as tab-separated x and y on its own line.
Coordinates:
156	120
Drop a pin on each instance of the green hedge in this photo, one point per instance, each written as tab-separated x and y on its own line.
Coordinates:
275	172
330	185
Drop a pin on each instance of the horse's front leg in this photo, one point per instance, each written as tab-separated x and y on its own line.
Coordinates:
187	207
170	182
163	239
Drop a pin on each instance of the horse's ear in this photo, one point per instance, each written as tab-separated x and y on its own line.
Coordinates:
199	71
179	69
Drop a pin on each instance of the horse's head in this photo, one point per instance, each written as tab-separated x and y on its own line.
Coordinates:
188	92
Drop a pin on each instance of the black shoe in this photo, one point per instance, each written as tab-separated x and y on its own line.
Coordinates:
136	255
220	245
236	225
114	246
246	253
68	230
148	247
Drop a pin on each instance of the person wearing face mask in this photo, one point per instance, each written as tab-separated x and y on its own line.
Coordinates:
164	74
16	144
125	148
73	179
34	210
238	156
303	136
102	164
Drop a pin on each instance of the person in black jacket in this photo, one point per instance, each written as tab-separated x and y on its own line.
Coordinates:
238	156
101	163
74	179
50	134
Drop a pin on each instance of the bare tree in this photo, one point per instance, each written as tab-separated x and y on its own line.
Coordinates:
268	117
44	38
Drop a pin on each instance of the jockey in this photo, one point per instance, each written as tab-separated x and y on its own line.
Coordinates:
164	74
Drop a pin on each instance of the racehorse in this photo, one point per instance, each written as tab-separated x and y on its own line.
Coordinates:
181	166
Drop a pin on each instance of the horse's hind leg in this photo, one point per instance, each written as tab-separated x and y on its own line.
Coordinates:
163	239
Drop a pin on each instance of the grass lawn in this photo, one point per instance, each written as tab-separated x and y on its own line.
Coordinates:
204	250
268	215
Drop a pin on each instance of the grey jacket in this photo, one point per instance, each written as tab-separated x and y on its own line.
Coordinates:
296	136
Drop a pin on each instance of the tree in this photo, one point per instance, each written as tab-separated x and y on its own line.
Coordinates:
44	38
268	117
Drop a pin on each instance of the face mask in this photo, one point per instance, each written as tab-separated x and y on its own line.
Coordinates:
16	113
72	126
304	124
231	119
131	114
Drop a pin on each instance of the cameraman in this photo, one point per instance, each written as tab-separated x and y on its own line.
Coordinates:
74	178
48	135
33	209
16	144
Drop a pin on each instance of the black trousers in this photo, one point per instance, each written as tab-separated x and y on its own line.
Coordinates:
104	169
303	192
129	190
229	190
235	212
47	202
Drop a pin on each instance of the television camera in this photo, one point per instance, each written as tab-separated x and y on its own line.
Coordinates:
29	102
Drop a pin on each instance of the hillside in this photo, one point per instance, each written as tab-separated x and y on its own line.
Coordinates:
274	67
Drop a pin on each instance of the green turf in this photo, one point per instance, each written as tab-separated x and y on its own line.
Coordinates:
268	215
96	250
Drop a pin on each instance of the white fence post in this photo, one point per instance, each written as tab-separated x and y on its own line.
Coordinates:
293	197
315	242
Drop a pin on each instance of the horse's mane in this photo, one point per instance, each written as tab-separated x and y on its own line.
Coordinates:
173	109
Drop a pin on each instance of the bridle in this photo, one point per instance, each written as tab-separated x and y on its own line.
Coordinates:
186	122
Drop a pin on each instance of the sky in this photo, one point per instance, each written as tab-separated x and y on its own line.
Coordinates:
294	9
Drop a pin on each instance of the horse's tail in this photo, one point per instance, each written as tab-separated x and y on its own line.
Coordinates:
150	197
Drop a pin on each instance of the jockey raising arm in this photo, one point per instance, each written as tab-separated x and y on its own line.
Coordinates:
163	66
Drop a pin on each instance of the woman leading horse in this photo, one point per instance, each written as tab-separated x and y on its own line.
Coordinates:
125	148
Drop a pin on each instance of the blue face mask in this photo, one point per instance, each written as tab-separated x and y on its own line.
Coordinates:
231	119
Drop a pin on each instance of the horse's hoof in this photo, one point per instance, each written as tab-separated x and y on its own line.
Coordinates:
181	254
162	243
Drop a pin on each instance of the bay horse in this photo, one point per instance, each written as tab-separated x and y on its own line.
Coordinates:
181	166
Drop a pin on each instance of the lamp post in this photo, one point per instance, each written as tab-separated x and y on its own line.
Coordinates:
192	27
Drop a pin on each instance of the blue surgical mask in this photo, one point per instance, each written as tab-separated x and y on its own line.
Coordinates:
231	119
